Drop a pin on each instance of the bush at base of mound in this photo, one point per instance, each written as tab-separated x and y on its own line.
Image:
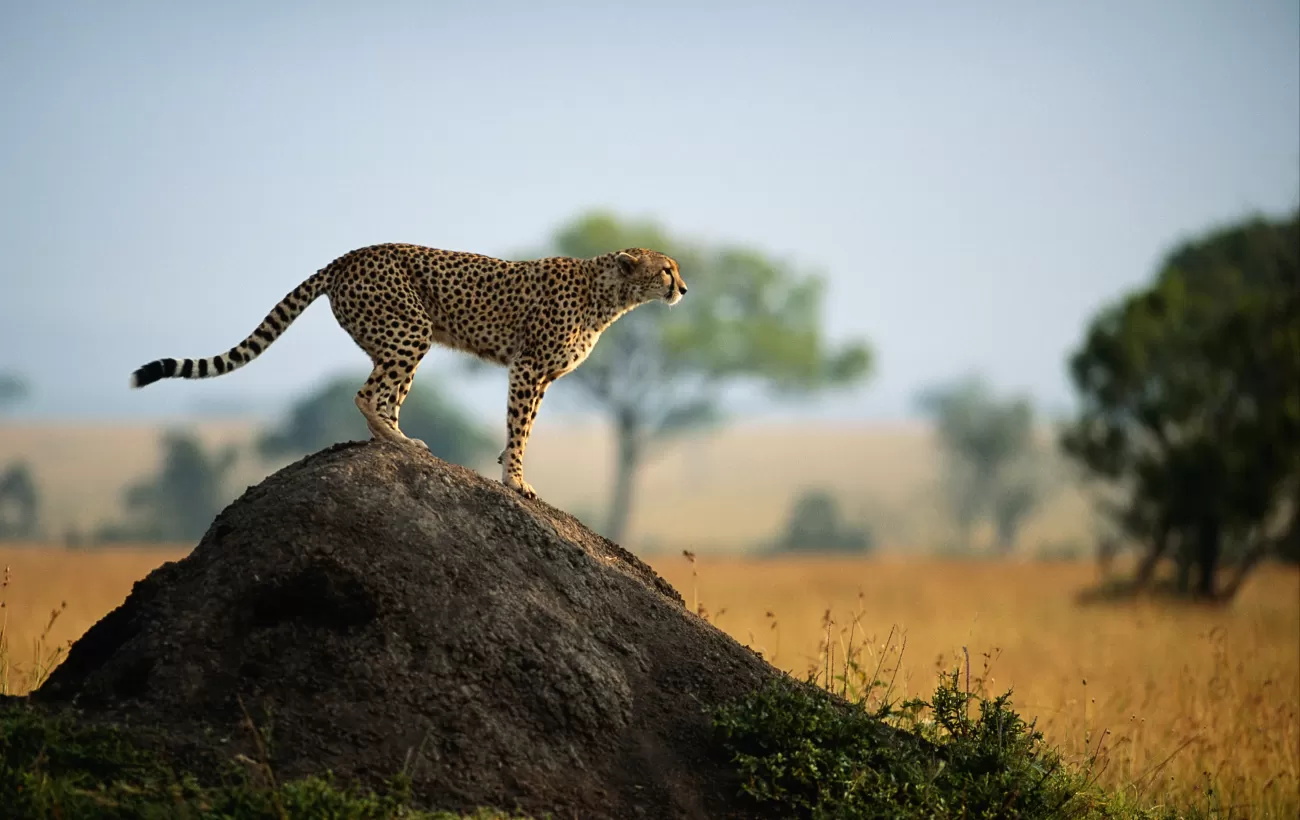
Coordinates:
809	754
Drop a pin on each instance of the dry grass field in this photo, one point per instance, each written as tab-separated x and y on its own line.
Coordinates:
1169	702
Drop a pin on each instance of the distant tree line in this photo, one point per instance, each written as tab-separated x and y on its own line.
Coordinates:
1189	418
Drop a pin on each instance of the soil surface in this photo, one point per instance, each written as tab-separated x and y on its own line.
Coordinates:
376	609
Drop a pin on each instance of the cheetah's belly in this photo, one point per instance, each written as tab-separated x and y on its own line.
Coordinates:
478	324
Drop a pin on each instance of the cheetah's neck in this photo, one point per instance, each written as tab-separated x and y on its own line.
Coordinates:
611	296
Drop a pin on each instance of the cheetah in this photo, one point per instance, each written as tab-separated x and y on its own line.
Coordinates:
539	318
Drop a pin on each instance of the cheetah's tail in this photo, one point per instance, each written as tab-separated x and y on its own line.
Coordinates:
275	323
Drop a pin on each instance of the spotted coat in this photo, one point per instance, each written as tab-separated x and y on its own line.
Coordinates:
539	318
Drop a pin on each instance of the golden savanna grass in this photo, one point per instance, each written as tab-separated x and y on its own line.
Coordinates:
1169	701
1183	704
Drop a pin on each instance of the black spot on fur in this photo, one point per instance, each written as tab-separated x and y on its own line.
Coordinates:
203	368
187	369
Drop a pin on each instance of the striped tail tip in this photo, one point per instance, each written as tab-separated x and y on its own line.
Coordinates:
150	373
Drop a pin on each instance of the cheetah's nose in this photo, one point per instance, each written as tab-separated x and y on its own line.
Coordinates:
682	288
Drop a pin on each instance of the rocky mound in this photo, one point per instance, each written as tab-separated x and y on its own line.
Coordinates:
377	609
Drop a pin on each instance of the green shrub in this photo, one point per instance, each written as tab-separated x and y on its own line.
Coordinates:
815	524
810	754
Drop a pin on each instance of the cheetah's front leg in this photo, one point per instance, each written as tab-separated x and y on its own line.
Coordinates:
527	387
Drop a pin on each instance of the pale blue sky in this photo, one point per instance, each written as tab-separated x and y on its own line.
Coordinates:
974	179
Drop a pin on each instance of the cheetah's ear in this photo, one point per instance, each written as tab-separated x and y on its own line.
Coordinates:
627	262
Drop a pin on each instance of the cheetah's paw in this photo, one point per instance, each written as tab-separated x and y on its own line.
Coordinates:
520	486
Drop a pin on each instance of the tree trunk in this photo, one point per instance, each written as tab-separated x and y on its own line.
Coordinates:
1147	569
1288	548
1253	557
966	542
1006	539
1209	543
627	429
1183	580
967	517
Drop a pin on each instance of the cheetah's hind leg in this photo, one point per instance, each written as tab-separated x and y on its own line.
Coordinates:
403	389
395	341
369	400
380	400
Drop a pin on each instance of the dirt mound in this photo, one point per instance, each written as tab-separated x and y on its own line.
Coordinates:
378	609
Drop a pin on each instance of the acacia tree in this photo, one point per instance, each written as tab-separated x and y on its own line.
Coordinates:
659	372
1190	395
992	464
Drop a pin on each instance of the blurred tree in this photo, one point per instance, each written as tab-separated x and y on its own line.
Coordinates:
993	469
1191	404
658	373
19	497
180	501
327	416
13	389
1014	499
19	503
815	525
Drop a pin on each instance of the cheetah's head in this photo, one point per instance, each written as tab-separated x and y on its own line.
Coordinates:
650	275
